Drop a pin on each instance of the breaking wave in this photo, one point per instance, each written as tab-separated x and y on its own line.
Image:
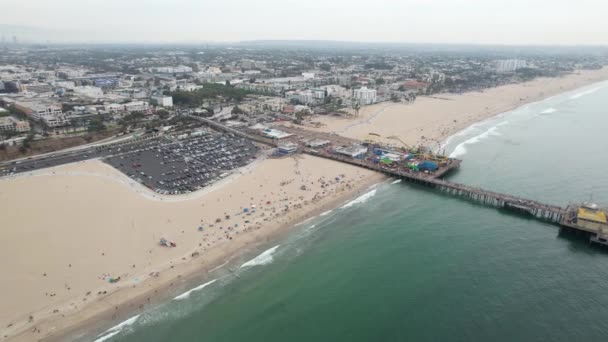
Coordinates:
262	259
200	287
584	93
360	199
326	213
116	329
461	149
396	181
108	336
549	111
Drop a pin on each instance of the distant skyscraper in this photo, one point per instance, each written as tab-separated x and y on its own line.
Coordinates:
15	40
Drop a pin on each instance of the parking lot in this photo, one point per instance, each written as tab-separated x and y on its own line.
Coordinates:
185	165
168	164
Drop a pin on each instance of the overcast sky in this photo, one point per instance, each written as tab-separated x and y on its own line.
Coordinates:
413	21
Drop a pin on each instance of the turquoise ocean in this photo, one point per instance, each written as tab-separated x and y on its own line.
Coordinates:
407	263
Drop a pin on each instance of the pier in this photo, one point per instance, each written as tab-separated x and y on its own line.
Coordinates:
567	218
564	217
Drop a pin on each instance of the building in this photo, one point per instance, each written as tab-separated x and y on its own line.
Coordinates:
68	73
101	80
353	151
591	217
136	106
305	97
336	91
172	70
365	96
510	65
287	148
316	143
6	124
275	134
163	101
65	84
37	88
89	91
318	94
46	112
9	123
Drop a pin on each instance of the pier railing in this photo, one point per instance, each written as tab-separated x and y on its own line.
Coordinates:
537	209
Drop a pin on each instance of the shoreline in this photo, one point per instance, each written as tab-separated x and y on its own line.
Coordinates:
437	118
122	303
127	302
103	321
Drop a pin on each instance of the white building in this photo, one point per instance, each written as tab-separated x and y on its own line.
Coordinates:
354	151
318	94
9	123
47	112
65	84
6	124
68	73
114	107
172	70
510	65
336	91
136	106
305	97
275	134
316	143
288	148
365	96
163	101
89	91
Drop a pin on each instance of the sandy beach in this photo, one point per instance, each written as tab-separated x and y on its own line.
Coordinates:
69	229
91	223
440	116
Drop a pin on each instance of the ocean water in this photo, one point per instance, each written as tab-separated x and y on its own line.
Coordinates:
406	263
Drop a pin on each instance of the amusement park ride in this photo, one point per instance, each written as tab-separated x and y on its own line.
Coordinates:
426	152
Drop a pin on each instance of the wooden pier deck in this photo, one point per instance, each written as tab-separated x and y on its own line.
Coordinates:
546	212
564	217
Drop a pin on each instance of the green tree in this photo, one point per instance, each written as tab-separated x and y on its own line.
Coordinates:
163	114
237	110
380	81
325	66
96	125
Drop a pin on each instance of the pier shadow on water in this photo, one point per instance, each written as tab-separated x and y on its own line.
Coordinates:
579	242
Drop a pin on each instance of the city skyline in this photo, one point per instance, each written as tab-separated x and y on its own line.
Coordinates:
542	22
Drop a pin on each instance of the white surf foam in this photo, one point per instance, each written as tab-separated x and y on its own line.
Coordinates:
116	329
326	213
360	199
461	149
584	93
108	336
396	181
549	111
200	287
262	259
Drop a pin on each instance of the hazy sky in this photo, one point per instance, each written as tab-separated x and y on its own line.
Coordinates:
414	21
